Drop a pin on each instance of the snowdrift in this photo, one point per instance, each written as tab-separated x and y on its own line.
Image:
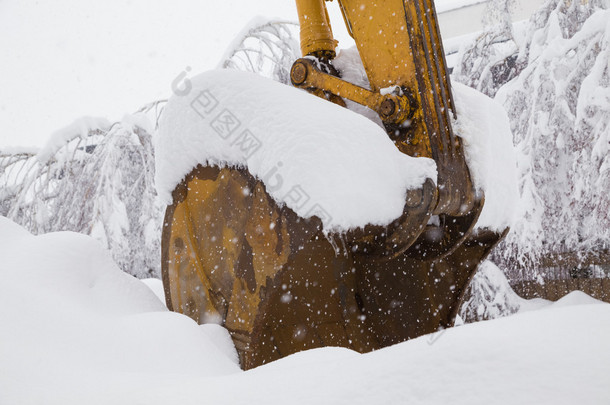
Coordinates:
75	329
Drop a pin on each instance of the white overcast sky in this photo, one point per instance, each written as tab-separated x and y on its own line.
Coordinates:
62	59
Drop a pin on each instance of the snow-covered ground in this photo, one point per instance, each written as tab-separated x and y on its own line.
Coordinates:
75	330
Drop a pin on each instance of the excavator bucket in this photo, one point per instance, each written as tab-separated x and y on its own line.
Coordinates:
273	278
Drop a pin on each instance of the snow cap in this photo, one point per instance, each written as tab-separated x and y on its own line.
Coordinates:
313	156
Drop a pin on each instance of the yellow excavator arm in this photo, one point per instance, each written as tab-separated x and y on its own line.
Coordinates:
402	53
221	261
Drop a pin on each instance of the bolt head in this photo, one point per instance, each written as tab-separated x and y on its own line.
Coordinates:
298	73
388	107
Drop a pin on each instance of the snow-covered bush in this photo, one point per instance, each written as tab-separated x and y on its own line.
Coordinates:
489	295
558	102
491	59
92	177
265	47
489	62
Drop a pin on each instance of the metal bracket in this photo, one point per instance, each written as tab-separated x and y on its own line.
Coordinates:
392	108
